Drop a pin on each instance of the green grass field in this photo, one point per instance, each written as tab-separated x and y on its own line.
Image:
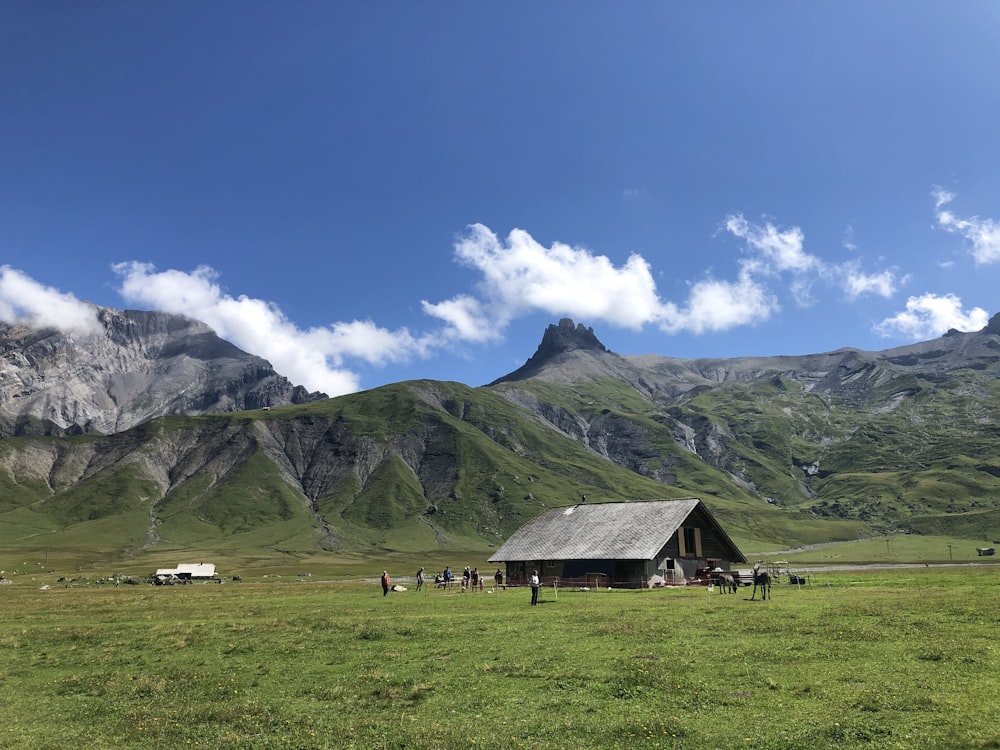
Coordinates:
873	659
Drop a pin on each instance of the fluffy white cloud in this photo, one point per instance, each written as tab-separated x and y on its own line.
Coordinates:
941	197
314	358
715	305
856	283
23	300
519	275
930	315
772	251
777	250
984	234
466	318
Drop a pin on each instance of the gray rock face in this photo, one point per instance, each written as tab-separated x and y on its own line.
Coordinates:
140	366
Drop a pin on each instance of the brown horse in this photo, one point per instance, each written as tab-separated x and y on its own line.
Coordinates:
762	579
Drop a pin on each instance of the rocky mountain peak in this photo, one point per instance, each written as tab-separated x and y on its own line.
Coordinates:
567	337
559	339
137	366
993	326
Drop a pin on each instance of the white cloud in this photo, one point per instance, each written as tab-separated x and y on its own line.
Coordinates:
519	276
314	358
856	282
984	234
772	251
23	300
941	197
719	305
930	315
466	318
849	238
778	251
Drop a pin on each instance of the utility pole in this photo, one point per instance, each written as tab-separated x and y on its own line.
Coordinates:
949	553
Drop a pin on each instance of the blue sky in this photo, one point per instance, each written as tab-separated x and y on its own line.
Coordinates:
367	193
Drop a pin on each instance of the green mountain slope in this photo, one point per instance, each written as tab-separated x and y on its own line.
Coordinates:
786	451
901	441
412	466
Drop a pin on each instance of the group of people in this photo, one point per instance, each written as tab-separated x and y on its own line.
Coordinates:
471	579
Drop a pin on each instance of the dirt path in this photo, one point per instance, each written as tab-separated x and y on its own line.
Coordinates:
806	568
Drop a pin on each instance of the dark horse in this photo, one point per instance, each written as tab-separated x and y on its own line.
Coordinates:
727	583
762	579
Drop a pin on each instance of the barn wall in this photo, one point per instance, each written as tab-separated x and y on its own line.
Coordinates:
712	544
672	570
685	567
608	572
519	571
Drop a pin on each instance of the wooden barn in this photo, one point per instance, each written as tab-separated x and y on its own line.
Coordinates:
619	544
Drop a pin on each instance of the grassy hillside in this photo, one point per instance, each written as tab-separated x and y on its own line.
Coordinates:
427	467
403	469
896	453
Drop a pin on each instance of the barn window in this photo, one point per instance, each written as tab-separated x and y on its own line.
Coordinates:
689	541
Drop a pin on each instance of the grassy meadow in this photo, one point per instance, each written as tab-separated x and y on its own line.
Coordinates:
860	659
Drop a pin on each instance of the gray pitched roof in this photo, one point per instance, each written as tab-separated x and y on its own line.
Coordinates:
600	531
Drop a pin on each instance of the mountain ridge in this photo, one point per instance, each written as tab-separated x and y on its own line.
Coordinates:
980	349
139	365
790	449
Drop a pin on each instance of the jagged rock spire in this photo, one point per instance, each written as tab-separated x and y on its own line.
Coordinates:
567	336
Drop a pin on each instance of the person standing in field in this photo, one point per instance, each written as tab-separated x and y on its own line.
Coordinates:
475	578
385	582
420	579
535	585
498	577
